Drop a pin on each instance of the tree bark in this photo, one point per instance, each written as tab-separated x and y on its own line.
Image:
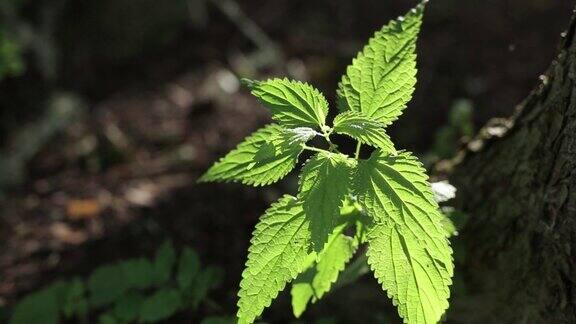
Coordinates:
517	183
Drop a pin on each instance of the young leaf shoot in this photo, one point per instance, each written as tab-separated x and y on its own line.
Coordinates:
384	201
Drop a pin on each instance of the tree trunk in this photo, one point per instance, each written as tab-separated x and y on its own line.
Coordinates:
517	183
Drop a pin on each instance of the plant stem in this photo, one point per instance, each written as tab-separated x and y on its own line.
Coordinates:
326	134
358	146
332	146
314	149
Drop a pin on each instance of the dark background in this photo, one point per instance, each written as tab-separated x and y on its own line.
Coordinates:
113	108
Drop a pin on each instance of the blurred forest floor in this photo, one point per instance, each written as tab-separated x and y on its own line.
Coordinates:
101	156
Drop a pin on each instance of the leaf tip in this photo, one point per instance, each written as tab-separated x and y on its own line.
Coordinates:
203	179
420	7
250	84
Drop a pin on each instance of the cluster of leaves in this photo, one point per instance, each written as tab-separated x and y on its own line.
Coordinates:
384	201
125	292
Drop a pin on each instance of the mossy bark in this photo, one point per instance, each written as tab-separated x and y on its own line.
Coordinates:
517	183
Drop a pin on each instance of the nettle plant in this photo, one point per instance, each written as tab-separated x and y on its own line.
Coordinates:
132	290
344	201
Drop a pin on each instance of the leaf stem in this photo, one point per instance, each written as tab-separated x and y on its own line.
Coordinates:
357	154
333	146
326	134
314	149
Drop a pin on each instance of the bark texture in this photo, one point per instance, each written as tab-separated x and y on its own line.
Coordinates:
517	183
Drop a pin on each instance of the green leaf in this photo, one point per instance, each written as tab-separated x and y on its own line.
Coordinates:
324	182
105	285
364	129
263	158
293	103
358	268
278	253
161	305
417	282
454	220
448	225
203	282
302	290
317	280
138	272
164	262
407	246
381	79
37	308
42	306
128	307
188	268
75	304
